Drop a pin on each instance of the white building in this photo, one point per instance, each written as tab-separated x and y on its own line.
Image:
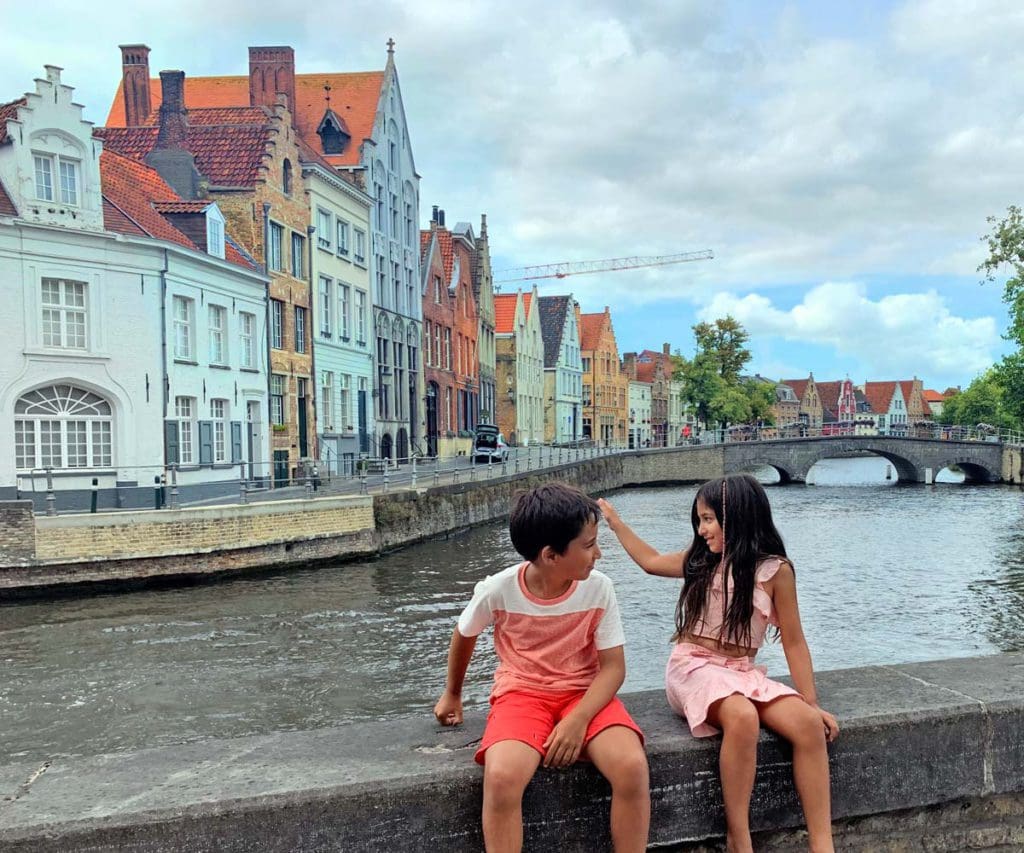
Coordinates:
639	425
128	344
563	371
519	349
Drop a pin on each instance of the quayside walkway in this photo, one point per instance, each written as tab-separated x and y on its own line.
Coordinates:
931	756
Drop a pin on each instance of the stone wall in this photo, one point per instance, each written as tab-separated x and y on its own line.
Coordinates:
17	533
928	751
1013	464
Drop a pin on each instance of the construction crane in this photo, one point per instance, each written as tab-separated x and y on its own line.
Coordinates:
567	268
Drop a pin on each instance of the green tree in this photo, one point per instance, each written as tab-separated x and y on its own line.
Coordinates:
725	343
984	401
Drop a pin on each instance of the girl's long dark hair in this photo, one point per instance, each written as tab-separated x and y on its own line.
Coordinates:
741	506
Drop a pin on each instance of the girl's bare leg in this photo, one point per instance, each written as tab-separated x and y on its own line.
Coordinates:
801	725
738	719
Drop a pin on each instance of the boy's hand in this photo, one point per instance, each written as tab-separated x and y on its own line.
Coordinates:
448	709
609	513
565	742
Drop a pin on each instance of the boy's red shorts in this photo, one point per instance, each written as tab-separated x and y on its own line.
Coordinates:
530	717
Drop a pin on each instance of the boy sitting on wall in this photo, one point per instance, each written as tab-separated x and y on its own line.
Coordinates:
558	638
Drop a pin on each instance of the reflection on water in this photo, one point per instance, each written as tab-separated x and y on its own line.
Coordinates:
885	575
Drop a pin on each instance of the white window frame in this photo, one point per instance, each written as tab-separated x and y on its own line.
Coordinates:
184	327
324	226
218	330
276	324
342	228
185	415
214	232
63	426
278	398
361	317
345	400
344	308
298	255
54	188
247	338
275	248
300	328
64	307
219	415
327	401
324	288
359	246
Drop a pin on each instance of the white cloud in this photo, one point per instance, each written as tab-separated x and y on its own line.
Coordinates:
896	336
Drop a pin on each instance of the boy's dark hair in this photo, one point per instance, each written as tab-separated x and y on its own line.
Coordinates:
553	514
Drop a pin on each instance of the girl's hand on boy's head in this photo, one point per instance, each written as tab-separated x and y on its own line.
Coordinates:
448	709
609	513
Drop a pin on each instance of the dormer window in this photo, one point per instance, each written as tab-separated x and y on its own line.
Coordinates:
47	168
334	135
214	231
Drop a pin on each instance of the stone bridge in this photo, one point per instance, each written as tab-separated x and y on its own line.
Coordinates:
980	461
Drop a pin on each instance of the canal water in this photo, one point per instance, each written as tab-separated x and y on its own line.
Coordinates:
885	574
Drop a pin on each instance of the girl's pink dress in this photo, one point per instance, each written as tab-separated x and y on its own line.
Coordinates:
697	677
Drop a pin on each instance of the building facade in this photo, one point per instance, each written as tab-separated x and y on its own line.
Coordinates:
641	414
519	354
483	293
438	362
605	385
563	371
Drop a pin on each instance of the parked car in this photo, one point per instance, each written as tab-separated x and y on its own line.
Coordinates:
489	444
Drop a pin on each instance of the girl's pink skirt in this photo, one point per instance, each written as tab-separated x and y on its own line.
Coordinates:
696	678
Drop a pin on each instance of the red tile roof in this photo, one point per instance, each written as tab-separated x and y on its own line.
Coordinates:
444	241
527	299
9	111
879	395
590	330
828	394
132	193
424	244
907	387
132	188
646	371
799	386
7	207
505	313
226	155
353	97
933	396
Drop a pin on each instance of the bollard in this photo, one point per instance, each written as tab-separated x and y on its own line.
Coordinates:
309	489
455	476
174	485
490	466
472	473
362	480
95	494
560	453
517	462
529	459
437	473
413	481
156	492
243	493
504	465
316	479
51	498
387	465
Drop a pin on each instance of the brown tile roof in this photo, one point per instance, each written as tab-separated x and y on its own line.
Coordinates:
353	97
226	155
798	386
181	206
590	330
424	243
933	396
444	241
879	395
646	371
828	393
907	387
505	312
7	207
9	111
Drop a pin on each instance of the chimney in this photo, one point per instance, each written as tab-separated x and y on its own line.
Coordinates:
272	70
483	224
440	218
135	84
173	115
170	155
433	215
665	349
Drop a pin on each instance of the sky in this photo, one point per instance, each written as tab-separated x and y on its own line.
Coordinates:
839	159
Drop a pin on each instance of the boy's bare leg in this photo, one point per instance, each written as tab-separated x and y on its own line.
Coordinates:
619	755
800	724
738	719
509	766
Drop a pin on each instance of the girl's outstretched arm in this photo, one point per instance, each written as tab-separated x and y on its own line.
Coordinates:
794	644
645	556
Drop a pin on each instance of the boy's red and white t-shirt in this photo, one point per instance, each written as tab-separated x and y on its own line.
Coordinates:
544	644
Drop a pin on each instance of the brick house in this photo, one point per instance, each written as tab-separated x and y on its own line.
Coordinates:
655	369
811	412
483	293
605	385
438	329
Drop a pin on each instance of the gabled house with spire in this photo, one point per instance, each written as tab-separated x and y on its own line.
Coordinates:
356	122
133	320
605	384
483	294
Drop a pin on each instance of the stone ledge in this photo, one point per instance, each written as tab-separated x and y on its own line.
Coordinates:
914	736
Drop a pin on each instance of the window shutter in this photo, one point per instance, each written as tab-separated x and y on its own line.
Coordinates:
206	442
236	441
171	443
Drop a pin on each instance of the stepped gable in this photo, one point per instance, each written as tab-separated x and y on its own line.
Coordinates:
504	313
353	99
552	324
8	111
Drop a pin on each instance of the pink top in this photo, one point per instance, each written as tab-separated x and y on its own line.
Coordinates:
544	644
710	623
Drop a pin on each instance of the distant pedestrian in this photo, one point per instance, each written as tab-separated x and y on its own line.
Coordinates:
559	642
737	581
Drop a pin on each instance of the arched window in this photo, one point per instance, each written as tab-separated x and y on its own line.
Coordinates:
61	426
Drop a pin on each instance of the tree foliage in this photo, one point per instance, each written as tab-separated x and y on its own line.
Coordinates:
984	401
711	379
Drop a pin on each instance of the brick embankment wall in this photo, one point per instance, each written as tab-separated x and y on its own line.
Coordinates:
17	533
